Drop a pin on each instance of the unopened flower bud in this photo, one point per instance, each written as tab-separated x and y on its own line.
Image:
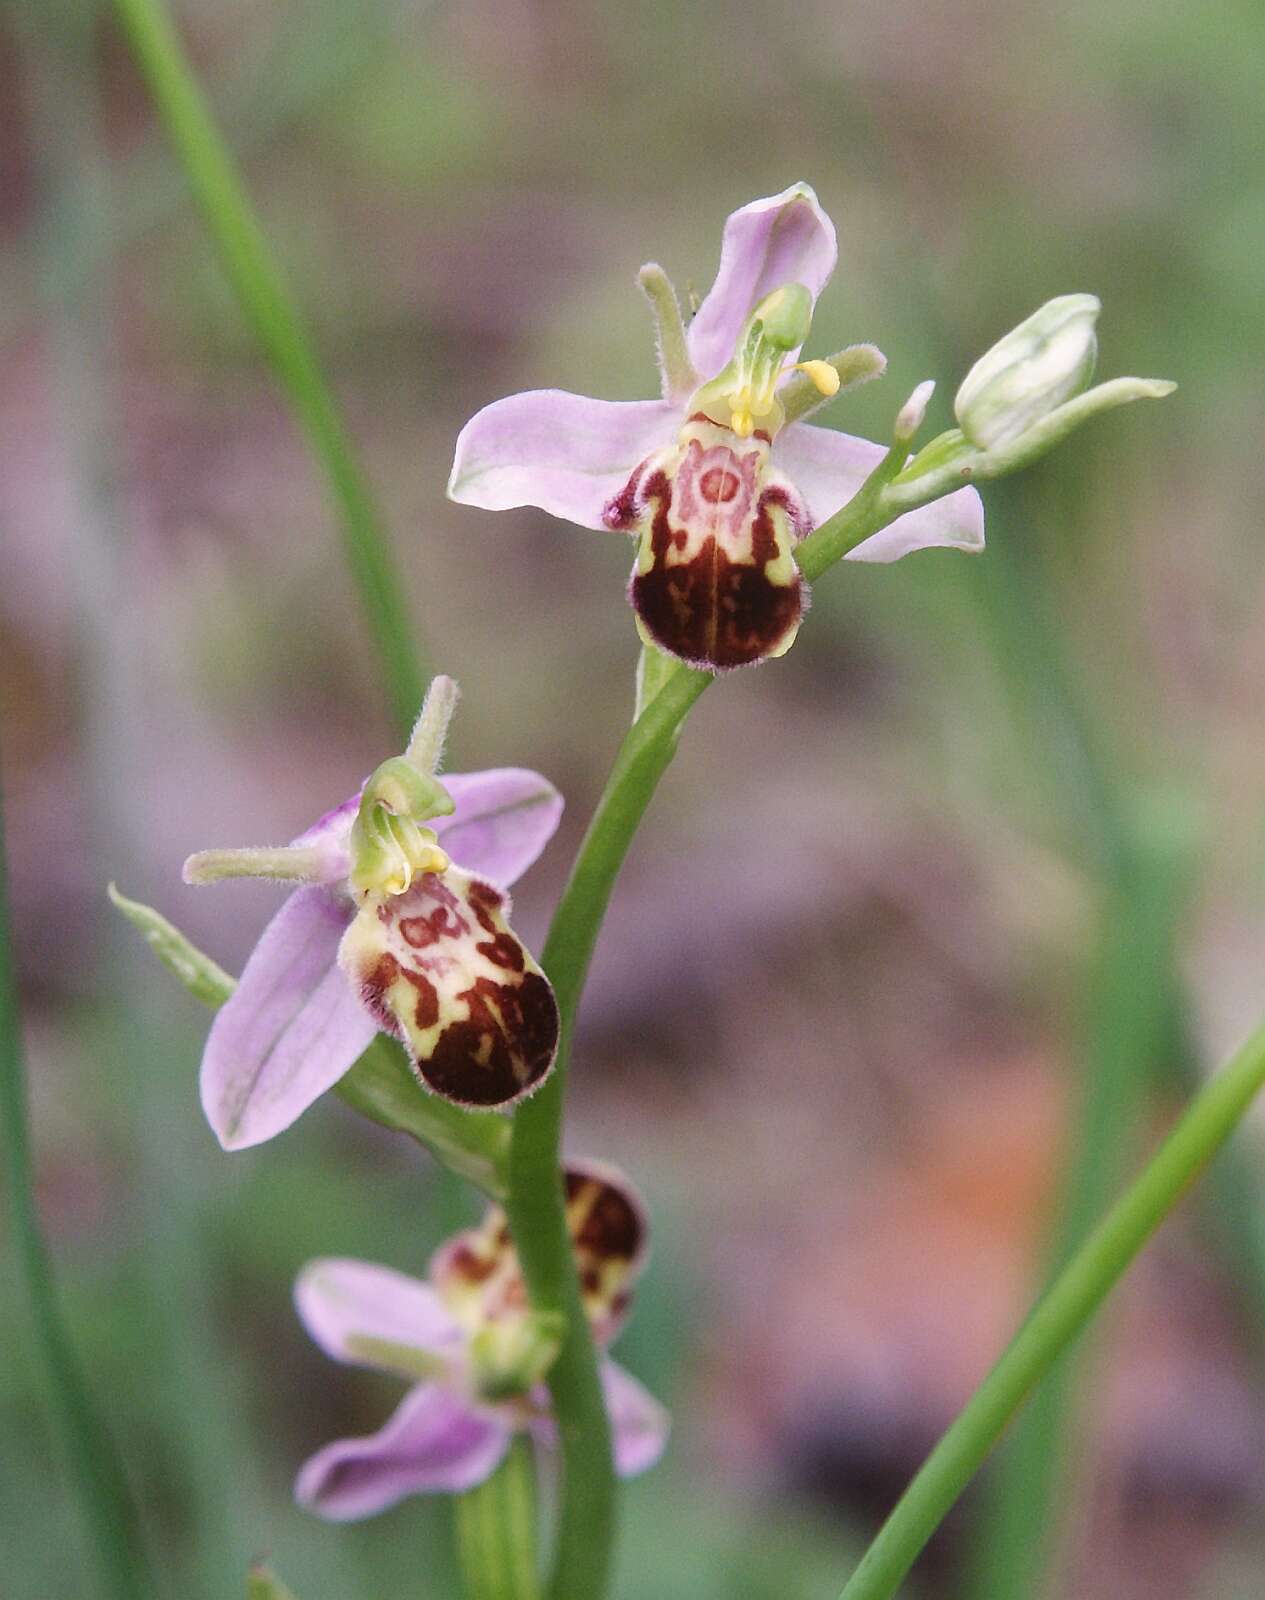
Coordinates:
910	416
1044	361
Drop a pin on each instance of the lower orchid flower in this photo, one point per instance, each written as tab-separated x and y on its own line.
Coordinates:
717	481
479	1351
390	933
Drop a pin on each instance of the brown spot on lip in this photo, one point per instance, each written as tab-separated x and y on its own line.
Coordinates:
373	990
466	1263
426	1012
505	1046
444	921
502	949
718	485
711	610
622	511
611	1227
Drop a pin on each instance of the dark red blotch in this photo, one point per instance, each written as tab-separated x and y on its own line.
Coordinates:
611	1228
526	1039
710	610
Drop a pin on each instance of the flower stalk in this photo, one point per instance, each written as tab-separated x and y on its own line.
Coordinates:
1129	1026
496	1531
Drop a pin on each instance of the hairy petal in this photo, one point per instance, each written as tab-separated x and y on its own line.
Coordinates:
828	468
440	968
786	238
291	1029
434	1443
344	1303
563	452
639	1424
504	818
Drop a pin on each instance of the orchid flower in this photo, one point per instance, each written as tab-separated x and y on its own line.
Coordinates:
717	480
388	932
479	1351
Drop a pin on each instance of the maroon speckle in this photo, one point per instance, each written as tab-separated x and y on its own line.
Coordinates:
612	1227
427	929
622	511
518	1050
718	485
426	1011
502	949
484	898
373	989
463	1262
713	611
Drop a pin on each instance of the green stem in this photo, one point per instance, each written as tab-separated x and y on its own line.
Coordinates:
535	1202
104	1495
496	1531
1057	1319
1130	1025
269	307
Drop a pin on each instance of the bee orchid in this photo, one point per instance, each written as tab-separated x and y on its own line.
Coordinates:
400	926
475	1353
719	479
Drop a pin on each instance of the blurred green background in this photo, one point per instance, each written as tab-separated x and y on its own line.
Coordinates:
852	982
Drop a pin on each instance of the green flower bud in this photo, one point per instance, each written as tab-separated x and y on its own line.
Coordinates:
1038	365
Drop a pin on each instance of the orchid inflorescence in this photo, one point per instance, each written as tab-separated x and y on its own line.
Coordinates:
398	923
